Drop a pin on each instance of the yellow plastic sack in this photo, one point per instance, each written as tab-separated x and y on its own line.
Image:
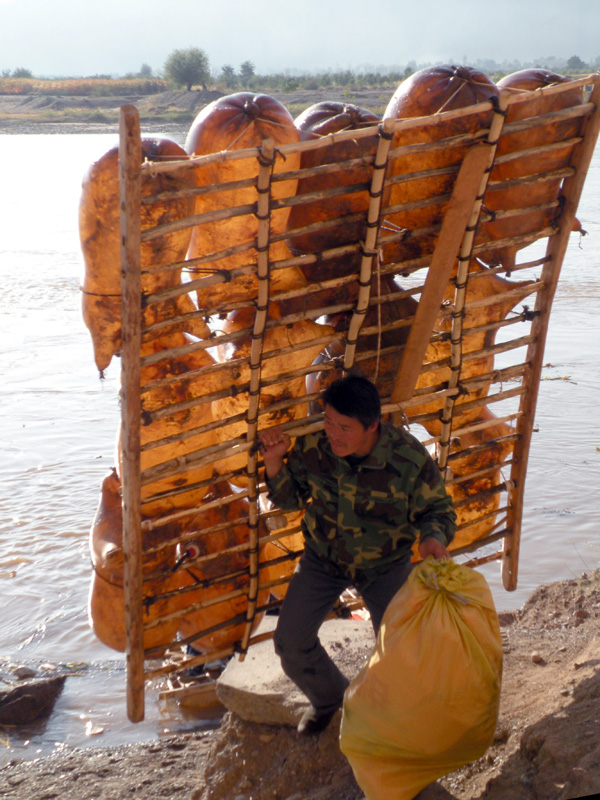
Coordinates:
426	702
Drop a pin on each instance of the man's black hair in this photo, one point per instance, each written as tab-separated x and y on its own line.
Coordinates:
356	397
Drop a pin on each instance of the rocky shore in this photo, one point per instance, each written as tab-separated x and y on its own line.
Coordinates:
547	742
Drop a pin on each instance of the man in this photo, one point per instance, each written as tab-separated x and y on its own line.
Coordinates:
370	490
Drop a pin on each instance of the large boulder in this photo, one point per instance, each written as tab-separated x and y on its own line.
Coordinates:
257	690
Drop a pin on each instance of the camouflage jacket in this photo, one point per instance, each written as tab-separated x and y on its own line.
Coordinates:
362	517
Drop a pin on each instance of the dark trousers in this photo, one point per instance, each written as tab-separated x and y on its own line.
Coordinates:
311	595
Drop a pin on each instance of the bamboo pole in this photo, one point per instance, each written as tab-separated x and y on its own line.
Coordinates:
522	240
480	426
483	495
321	169
353	134
474	563
543	149
480	473
477	544
518	293
462	276
197	219
531	180
266	161
369	253
224	652
483	446
570	112
491	515
204	533
557	246
525	316
501	270
174	352
439	392
496	349
193	533
130	158
321	194
511	213
200	606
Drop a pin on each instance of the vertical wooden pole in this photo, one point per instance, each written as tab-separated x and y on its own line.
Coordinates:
369	249
557	246
130	159
266	160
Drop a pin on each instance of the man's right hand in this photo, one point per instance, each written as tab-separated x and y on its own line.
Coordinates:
274	445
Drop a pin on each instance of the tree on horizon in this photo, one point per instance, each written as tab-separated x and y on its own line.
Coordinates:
228	76
247	72
21	72
187	68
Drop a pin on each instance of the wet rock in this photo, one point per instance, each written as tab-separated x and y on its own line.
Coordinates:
30	701
23	673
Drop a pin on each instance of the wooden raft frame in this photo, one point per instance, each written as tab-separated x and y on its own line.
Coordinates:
434	274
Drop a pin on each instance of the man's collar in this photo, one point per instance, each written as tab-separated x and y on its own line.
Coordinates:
378	456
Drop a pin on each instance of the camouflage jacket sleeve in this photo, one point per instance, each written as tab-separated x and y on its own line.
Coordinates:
432	511
290	489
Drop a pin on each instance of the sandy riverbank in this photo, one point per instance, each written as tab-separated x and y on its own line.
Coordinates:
168	112
546	741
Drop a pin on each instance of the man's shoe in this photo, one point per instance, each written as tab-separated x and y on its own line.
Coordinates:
312	722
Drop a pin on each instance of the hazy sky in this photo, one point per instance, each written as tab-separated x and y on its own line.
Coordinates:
79	37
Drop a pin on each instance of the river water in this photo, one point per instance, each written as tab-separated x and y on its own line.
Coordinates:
58	423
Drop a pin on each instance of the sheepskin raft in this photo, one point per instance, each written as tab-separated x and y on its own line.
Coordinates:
267	258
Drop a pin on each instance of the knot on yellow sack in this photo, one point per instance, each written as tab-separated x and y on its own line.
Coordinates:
444	576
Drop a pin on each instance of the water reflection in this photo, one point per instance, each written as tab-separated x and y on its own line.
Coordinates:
89	713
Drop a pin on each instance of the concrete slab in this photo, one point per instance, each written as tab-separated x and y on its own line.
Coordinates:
257	690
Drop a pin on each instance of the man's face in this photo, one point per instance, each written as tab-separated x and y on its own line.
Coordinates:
347	436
